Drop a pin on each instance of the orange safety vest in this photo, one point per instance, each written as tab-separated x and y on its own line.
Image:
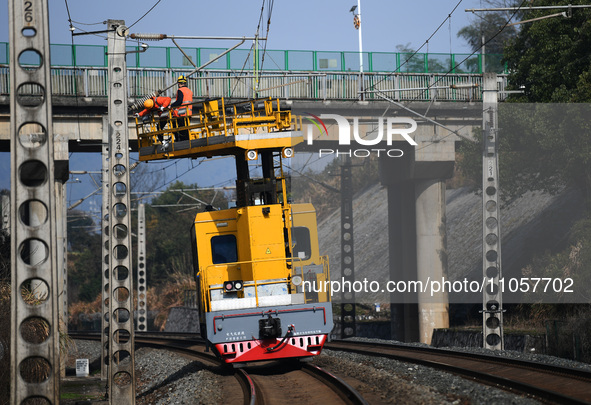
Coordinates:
188	100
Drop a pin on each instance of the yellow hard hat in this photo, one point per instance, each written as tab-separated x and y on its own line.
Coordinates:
182	79
149	103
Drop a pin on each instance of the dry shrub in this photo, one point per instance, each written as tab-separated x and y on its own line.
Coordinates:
578	330
75	309
34	330
160	300
168	296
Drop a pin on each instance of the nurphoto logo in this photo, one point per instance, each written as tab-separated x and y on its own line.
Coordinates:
396	128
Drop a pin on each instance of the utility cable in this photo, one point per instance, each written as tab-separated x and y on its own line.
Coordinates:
407	60
421	47
147	12
96	23
270	3
74	64
242	70
431	85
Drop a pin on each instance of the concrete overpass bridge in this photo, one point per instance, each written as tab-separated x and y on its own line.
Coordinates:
423	81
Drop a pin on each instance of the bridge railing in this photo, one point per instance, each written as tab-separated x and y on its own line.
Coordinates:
72	55
302	85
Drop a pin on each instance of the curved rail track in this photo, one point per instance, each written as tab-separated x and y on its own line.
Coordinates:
261	383
546	383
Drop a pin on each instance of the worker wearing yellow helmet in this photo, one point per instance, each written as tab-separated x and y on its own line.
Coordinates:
184	97
182	106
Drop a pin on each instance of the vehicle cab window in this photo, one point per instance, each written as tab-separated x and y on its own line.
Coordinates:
223	249
302	247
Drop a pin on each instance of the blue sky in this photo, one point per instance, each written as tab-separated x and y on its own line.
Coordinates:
303	25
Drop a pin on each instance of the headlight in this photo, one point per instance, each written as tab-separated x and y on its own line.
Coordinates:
252	154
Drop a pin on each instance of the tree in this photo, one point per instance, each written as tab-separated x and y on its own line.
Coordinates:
550	58
544	133
84	257
410	62
168	226
545	146
490	27
550	61
145	178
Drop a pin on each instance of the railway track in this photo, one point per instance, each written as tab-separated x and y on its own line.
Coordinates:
546	383
262	383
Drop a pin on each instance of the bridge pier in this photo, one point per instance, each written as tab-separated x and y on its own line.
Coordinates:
402	264
417	236
415	182
431	254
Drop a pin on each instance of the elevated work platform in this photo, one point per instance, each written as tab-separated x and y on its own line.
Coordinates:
216	128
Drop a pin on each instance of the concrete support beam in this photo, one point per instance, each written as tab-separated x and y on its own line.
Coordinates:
492	299
61	168
431	255
347	250
73	127
105	291
142	274
402	240
34	356
416	219
121	313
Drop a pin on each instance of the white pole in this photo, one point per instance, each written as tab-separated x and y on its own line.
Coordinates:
360	52
360	41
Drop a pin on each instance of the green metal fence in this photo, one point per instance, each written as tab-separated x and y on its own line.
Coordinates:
276	60
304	85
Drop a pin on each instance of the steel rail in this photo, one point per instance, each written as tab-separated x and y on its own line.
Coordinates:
526	364
344	390
395	351
338	385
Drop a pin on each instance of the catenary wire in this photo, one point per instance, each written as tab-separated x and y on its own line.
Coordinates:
458	64
147	12
426	43
447	73
472	54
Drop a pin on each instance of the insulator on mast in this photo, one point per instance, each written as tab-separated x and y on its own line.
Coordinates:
149	37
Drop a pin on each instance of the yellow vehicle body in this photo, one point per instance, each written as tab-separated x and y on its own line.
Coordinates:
252	263
250	244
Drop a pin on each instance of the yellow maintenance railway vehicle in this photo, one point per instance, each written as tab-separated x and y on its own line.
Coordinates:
260	276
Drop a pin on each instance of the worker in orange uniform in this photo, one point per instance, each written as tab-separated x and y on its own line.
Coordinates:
156	106
182	107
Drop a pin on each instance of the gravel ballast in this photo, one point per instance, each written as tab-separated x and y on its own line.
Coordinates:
403	383
164	377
